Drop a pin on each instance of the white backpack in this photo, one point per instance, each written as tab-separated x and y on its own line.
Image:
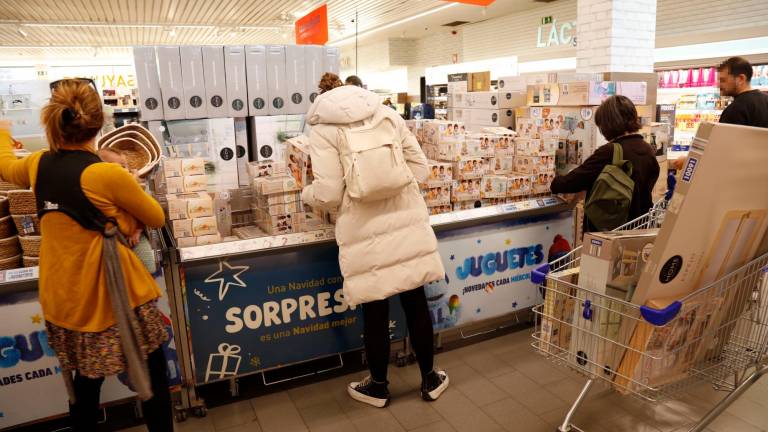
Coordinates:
373	162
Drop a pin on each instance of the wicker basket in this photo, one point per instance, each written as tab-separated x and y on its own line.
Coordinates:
30	261
5	186
9	247
4	206
7	228
10	263
27	224
139	145
30	245
22	201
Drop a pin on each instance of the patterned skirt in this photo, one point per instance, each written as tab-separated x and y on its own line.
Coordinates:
100	354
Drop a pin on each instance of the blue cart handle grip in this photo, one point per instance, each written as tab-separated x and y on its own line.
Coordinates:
660	317
539	275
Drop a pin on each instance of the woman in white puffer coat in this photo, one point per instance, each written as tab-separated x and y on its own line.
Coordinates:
386	246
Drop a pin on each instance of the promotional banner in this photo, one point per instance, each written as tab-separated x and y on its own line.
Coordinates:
488	268
31	386
247	314
312	29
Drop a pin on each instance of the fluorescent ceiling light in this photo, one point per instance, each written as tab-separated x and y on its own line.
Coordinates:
351	38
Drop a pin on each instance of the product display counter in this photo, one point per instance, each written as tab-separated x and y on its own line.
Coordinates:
251	306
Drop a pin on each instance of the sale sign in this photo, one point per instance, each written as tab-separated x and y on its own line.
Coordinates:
312	29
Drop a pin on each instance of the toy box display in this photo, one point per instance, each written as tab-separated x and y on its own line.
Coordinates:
486	144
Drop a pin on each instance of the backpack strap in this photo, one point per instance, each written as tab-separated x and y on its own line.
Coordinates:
618	159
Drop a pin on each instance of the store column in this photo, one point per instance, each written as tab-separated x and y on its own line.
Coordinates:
615	36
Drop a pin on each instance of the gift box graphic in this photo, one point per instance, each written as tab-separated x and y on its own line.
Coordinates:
224	364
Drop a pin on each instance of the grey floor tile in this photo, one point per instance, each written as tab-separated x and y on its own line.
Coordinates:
464	415
477	388
245	427
540	370
487	364
194	424
326	416
513	417
412	412
566	389
448	359
382	421
276	413
730	423
515	382
227	416
441	426
629	424
750	411
316	393
539	401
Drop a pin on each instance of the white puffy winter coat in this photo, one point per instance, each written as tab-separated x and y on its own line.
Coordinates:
387	246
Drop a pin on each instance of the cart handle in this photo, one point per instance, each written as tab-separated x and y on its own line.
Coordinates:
660	317
539	275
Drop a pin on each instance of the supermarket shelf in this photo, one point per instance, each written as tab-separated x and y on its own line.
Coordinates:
18	280
698	111
125	110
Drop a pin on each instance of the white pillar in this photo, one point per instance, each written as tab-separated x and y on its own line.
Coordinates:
615	35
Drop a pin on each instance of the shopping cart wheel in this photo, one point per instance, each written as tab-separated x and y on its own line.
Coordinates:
200	411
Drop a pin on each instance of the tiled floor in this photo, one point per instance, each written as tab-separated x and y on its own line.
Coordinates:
496	385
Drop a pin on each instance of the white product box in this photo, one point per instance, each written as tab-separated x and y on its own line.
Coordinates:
190	205
458	100
438	131
237	89
436	210
193	81
331	59
256	72
461	115
215	81
277	86
298	161
313	68
467	204
268	135
503	165
512	84
295	70
458	83
495	117
171	86
150	97
241	151
266	168
520	185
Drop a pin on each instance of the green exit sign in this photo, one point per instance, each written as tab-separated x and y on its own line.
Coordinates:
546	20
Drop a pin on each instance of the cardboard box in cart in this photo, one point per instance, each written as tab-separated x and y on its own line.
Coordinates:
150	98
215	81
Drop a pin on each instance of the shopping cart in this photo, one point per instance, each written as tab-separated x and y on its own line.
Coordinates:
717	335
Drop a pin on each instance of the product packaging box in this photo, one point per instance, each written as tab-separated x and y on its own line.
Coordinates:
193	81
277	80
438	131
198	241
520	185
274	225
150	97
513	84
467	205
485	142
458	83
466	190
331	59
277	198
298	161
223	212
490	202
179	185
194	227
637	92
440	174
468	168
275	185
458	100
215	81
436	210
188	206
183	167
479	81
505	146
313	68
557	314
266	168
494	186
256	79
492	117
295	74
437	196
417	129
171	86
269	133
241	151
281	209
503	165
237	88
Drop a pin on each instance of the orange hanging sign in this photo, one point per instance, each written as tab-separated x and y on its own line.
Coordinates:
312	29
473	2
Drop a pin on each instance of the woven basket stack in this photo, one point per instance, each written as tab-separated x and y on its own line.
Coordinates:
23	211
10	251
137	144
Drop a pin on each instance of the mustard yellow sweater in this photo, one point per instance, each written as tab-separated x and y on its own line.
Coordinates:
72	287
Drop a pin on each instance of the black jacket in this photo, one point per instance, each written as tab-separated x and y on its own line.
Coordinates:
748	109
645	172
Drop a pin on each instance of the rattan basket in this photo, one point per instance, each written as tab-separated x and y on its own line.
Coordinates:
5	186
10	263
27	224
7	228
22	201
31	261
9	247
139	145
4	206
30	245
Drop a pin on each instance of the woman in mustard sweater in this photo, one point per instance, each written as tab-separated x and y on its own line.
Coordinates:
77	195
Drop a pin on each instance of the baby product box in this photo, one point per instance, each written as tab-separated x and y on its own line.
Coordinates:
484	143
467	205
313	68
468	168
193	81
237	89
437	196
171	86
494	186
465	190
440	174
188	206
520	185
436	210
256	79
503	165
298	161
215	81
458	100
295	71
505	145
439	130
150	97
277	85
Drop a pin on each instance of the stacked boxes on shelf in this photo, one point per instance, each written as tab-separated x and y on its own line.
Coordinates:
190	208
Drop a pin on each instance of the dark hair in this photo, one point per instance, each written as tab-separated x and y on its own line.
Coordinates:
354	80
328	82
736	66
617	116
74	114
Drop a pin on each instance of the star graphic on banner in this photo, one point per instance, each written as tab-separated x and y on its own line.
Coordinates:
36	319
227	275
507	242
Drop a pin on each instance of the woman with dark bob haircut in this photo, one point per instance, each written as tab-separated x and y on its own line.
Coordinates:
618	122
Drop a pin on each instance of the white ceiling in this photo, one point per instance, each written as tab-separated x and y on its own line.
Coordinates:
59	29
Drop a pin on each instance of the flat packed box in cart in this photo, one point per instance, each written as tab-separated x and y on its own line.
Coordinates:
715	223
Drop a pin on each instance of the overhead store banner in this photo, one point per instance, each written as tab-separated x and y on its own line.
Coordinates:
488	268
312	29
473	2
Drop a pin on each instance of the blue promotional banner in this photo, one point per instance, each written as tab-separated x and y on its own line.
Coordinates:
488	268
248	314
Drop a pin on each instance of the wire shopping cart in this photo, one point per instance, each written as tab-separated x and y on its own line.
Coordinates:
718	334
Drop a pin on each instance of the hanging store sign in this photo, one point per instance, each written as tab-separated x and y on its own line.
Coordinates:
312	29
554	33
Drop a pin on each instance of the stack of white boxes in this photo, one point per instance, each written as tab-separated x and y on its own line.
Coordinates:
478	110
191	210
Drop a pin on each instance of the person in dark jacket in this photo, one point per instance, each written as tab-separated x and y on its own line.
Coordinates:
618	122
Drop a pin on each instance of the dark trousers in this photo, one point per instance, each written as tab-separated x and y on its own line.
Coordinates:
85	413
376	330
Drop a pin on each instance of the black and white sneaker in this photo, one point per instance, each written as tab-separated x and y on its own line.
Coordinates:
434	385
370	392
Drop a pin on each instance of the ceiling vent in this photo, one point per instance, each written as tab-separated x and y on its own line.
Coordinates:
455	23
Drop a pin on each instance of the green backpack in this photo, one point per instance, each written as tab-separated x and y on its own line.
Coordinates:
608	205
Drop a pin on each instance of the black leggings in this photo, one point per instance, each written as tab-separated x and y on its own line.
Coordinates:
85	412
376	328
